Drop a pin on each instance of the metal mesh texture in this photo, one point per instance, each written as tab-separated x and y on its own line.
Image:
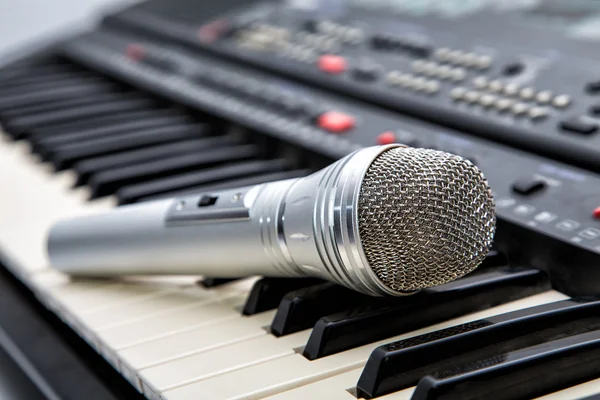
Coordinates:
425	218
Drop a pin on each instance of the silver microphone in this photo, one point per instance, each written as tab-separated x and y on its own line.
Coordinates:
384	220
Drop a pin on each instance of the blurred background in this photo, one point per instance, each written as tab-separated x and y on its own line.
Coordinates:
24	23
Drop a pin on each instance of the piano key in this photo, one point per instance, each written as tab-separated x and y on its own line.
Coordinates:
389	317
18	127
24	76
107	182
214	282
518	374
25	242
217	362
494	259
65	156
58	105
334	388
165	324
48	73
132	193
162	118
399	365
94	165
292	371
266	294
302	308
82	299
585	391
165	301
38	84
253	180
176	295
116	118
31	98
197	340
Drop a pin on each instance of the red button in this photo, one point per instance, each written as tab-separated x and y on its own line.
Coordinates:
135	52
335	121
388	137
332	64
596	213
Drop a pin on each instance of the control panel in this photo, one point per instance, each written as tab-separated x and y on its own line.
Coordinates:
473	71
548	212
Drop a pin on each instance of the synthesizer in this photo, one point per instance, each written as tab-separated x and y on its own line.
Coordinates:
173	97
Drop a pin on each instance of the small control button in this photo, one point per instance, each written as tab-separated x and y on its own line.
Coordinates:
528	186
291	105
336	122
596	213
332	64
593	87
366	71
207	200
579	125
513	69
388	137
135	52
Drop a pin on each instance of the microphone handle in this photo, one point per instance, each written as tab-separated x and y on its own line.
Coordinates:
230	233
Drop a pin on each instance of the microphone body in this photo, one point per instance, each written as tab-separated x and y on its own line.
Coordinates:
293	228
384	220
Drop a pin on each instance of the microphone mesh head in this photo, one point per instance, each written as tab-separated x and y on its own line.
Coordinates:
425	217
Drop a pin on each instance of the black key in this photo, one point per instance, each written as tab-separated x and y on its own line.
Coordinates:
45	144
34	71
133	193
302	308
31	98
390	317
266	293
107	182
20	126
399	365
102	120
86	168
49	79
579	125
45	86
494	259
214	282
58	105
253	180
65	156
519	374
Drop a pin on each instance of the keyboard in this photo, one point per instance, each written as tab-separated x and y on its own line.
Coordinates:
166	98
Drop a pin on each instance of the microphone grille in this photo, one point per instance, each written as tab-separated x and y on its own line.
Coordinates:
425	217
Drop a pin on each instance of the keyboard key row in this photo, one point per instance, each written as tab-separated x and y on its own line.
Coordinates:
126	143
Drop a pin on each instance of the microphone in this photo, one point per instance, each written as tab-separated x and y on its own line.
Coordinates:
384	220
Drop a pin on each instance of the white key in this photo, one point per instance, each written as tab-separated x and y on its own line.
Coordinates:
220	361
196	340
80	297
334	388
293	371
170	322
37	199
150	306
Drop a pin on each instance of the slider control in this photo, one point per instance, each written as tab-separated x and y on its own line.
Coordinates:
207	200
